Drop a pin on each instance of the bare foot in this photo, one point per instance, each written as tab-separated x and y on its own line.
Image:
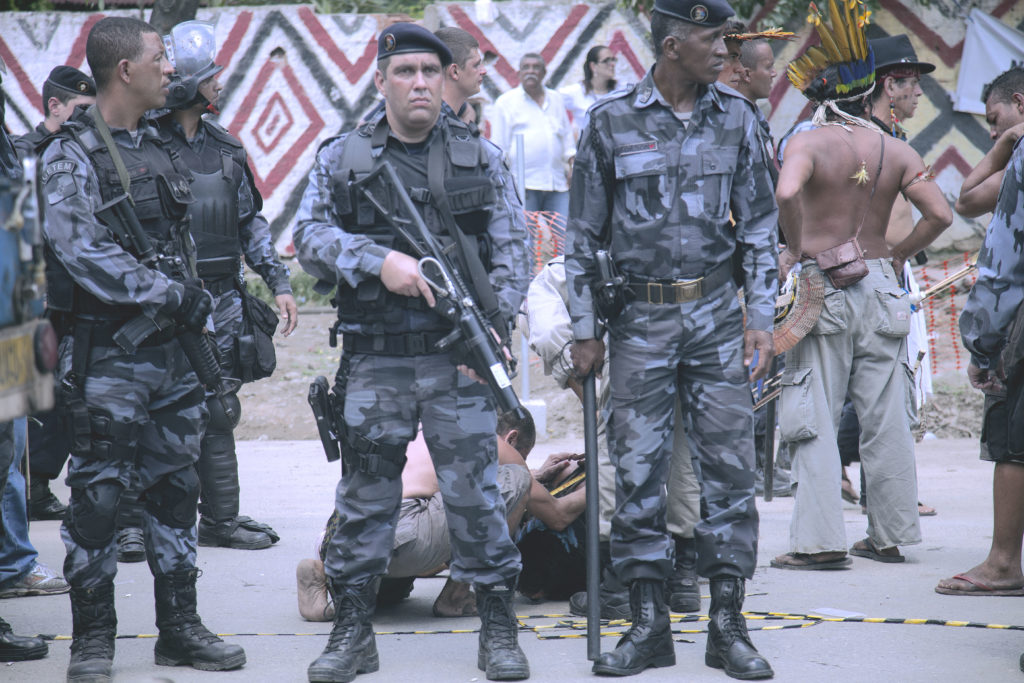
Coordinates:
455	600
314	601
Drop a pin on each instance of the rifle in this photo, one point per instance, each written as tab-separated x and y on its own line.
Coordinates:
122	222
455	300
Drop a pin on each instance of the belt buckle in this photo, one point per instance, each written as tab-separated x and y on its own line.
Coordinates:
660	290
688	290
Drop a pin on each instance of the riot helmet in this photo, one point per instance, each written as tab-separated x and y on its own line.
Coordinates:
190	49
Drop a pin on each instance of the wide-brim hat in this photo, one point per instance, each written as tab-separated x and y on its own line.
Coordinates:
797	311
896	51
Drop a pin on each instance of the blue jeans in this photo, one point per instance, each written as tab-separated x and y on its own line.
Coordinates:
542	200
17	555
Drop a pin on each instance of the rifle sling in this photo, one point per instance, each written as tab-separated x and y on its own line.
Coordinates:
108	140
469	256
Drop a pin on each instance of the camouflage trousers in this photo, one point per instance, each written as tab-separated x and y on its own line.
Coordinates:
156	395
228	317
693	351
386	398
683	487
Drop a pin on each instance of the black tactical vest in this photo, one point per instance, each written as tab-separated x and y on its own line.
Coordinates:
159	185
371	304
217	172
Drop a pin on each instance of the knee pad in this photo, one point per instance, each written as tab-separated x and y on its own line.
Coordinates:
173	500
219	420
92	515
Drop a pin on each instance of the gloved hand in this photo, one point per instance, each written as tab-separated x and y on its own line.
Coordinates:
196	306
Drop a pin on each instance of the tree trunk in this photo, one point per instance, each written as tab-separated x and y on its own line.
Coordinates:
168	13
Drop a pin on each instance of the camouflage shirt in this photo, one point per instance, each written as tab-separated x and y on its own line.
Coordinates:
330	252
97	263
658	196
998	293
253	230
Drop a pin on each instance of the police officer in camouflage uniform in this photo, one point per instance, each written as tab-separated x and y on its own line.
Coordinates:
226	225
131	412
391	376
668	160
64	89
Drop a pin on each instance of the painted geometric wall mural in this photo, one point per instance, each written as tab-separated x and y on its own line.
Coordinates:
294	78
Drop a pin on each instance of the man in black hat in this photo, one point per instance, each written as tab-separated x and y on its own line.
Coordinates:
392	376
65	88
897	88
671	159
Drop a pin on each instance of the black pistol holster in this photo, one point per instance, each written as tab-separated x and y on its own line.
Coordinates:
357	453
609	290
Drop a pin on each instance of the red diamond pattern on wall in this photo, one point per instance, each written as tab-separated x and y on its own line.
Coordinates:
278	118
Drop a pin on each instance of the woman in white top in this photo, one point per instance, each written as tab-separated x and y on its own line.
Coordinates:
598	81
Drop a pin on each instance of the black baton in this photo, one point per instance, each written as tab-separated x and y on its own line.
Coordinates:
593	515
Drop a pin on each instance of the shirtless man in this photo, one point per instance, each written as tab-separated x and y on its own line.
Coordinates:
898	74
836	185
422	546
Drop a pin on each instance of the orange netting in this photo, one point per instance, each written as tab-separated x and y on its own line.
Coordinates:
547	237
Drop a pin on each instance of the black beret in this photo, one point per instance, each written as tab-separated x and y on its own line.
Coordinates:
403	38
896	51
71	79
708	13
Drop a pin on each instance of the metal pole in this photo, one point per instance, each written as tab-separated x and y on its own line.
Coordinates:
524	387
769	439
593	513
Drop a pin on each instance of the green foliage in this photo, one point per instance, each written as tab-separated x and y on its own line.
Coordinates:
414	8
302	288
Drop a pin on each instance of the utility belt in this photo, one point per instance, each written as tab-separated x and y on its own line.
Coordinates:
218	268
410	344
221	286
680	291
101	332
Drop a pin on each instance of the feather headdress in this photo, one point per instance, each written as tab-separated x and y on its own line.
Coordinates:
843	65
770	34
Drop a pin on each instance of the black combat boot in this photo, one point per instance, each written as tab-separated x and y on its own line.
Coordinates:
613	596
352	648
683	591
92	636
220	524
499	654
42	504
729	645
183	639
15	648
648	642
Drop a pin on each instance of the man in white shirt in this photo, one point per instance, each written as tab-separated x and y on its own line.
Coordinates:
548	146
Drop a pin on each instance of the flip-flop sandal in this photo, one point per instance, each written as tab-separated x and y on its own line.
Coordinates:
978	588
871	552
806	562
925	511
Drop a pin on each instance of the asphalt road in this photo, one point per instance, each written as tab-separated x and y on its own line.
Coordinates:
251	594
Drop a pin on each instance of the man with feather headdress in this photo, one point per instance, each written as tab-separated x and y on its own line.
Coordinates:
835	194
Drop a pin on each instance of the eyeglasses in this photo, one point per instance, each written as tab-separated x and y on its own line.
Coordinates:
609	60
